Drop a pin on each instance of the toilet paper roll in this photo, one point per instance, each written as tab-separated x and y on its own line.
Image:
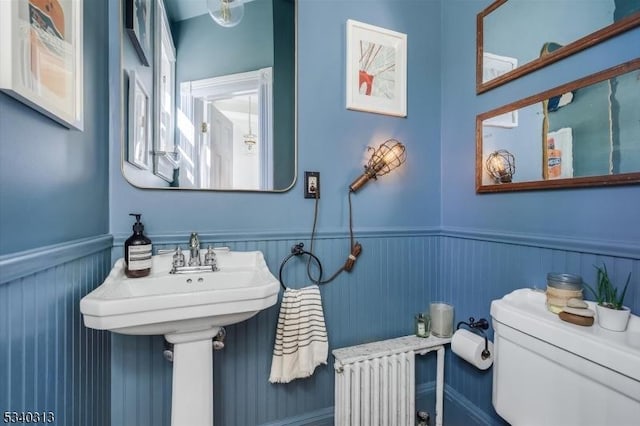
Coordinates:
469	346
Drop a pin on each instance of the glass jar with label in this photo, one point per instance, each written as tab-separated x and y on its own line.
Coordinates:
422	325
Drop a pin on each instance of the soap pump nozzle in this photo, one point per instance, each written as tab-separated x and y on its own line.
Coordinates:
138	227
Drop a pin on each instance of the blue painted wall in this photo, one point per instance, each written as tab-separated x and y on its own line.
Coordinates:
603	214
53	216
332	141
53	180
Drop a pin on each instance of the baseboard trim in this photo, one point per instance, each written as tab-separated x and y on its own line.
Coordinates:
464	404
17	265
452	397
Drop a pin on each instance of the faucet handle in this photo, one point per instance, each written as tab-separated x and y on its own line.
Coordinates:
210	257
178	258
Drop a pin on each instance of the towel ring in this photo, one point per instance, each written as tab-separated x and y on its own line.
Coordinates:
297	250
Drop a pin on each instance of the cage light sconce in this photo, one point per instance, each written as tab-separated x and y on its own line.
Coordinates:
501	166
388	156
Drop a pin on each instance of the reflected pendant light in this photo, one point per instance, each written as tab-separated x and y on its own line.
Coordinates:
226	13
250	138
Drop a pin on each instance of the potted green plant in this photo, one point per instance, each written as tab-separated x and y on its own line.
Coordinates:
611	312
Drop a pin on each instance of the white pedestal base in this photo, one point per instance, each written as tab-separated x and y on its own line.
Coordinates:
192	389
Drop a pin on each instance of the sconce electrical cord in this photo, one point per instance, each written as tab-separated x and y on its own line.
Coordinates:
356	247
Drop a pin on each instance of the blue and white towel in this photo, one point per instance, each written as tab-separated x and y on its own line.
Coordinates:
301	337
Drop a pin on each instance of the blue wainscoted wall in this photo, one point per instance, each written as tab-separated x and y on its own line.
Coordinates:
478	267
390	283
397	275
49	361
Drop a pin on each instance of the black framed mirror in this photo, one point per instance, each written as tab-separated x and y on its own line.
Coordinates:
584	133
240	135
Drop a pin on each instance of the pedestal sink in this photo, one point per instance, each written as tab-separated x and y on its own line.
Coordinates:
188	309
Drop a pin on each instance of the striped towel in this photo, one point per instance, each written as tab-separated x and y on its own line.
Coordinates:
301	337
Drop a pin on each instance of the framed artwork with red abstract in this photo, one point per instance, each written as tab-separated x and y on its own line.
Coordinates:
376	69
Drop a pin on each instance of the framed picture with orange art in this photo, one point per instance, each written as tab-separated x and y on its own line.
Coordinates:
41	57
376	69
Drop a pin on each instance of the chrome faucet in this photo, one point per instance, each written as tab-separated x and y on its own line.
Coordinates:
195	263
194	250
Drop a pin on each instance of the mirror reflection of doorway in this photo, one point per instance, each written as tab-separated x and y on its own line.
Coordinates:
225	135
217	161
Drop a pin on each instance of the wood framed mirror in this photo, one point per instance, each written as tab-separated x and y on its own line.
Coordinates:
584	133
509	37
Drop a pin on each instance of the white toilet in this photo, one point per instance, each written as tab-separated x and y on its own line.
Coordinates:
549	372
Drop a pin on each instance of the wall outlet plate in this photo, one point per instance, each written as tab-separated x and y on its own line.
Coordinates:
311	184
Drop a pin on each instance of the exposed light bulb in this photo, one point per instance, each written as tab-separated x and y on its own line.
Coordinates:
393	157
501	165
226	13
388	156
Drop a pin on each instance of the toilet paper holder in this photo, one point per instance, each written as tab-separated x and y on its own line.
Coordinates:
479	327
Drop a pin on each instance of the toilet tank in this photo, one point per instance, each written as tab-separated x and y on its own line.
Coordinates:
550	372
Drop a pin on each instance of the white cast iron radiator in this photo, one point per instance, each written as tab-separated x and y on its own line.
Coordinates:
375	382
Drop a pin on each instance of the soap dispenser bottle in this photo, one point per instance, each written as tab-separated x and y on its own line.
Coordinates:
137	251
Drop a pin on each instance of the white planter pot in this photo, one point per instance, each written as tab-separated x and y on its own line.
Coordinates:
613	319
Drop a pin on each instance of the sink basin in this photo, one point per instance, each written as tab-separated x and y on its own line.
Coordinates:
164	303
188	309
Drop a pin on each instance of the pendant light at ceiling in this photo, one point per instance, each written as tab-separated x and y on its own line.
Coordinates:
226	13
